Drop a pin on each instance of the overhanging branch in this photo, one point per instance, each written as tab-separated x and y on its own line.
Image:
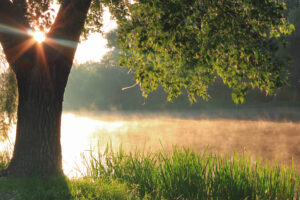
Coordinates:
20	8
13	28
69	23
6	9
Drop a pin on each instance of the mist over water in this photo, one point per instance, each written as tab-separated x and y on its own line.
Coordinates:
274	135
267	134
82	135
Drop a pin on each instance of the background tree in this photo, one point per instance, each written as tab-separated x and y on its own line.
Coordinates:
8	99
178	44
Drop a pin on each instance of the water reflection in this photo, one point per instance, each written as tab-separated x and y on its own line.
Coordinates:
259	138
79	136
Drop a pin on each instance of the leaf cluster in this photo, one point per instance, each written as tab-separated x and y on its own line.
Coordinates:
41	14
94	20
187	44
38	13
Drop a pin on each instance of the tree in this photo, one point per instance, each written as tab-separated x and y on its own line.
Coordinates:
178	44
41	71
8	99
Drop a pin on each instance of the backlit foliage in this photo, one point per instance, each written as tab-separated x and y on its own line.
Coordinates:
41	13
187	44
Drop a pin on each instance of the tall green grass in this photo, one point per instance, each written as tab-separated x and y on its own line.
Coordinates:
179	174
186	174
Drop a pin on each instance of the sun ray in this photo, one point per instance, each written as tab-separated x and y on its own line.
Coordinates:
61	45
41	57
20	49
8	29
62	42
38	38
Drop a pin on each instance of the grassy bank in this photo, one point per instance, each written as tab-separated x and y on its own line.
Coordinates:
180	174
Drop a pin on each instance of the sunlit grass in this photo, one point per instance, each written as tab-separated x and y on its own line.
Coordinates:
179	174
185	174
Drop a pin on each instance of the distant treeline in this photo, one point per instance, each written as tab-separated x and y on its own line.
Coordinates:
98	86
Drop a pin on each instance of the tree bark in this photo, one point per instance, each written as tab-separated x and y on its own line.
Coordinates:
42	72
37	146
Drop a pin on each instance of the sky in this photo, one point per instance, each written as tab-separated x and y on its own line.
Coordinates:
94	48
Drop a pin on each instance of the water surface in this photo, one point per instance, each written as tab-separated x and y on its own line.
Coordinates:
85	133
260	138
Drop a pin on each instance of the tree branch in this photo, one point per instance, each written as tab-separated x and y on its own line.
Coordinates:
13	28
12	17
6	8
21	10
69	23
5	5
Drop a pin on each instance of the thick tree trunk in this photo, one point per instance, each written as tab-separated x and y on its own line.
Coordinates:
37	147
42	71
41	84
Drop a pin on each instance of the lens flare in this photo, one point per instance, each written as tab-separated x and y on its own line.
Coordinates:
38	36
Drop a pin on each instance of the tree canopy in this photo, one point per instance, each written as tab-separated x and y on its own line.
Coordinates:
187	44
87	88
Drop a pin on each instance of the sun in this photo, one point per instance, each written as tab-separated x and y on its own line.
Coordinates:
38	36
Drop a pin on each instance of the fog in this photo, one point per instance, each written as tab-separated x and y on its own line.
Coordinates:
259	133
83	133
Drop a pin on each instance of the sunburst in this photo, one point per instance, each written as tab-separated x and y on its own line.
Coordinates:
38	36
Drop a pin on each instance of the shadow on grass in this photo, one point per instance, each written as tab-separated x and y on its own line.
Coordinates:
29	188
61	188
